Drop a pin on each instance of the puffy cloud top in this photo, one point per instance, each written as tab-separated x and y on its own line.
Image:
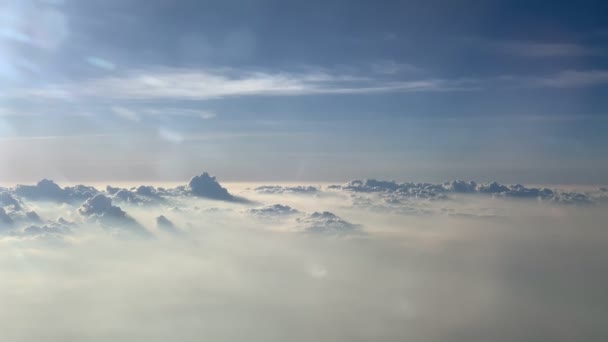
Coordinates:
5	220
48	190
394	192
125	195
492	188
99	208
273	210
460	186
206	186
100	205
277	189
165	224
163	221
398	190
141	194
6	199
326	223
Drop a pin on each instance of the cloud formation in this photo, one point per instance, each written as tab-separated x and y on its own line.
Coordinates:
47	190
273	211
143	194
207	186
394	192
99	208
277	189
506	260
165	224
200	84
7	200
5	220
326	223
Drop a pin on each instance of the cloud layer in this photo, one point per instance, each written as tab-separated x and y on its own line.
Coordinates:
475	264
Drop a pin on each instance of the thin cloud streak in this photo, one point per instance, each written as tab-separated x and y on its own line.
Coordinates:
191	84
538	48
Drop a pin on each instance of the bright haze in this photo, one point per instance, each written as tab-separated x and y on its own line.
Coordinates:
262	170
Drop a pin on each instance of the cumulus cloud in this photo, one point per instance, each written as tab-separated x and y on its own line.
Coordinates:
208	187
273	211
326	223
473	268
394	192
143	194
47	190
33	216
5	220
7	200
99	208
165	224
50	230
277	189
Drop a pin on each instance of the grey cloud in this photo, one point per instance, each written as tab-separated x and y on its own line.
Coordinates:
460	186
538	49
273	210
6	200
99	208
207	186
544	194
100	205
277	189
33	216
48	190
142	194
165	224
51	230
394	192
326	223
5	219
125	195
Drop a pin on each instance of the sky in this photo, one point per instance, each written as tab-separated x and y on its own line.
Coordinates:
270	170
256	90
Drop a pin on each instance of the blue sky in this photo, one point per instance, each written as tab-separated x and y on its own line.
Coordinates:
304	91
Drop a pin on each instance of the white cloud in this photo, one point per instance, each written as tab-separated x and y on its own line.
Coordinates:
473	268
278	189
195	84
127	114
200	84
101	63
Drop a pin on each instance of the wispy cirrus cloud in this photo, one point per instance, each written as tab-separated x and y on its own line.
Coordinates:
195	84
200	84
546	49
538	48
574	78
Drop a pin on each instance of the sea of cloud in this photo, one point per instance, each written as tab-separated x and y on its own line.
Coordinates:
366	260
